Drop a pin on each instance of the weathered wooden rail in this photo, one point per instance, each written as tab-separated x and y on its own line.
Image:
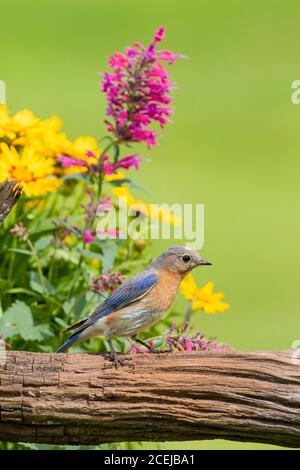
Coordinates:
10	192
83	399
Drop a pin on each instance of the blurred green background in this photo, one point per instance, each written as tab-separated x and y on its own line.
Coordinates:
234	144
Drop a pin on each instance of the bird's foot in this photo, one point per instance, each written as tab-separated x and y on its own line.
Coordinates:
161	351
118	362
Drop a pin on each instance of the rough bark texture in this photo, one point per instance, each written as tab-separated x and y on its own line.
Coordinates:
10	192
83	399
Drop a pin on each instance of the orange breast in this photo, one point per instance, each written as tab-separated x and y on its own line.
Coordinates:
162	295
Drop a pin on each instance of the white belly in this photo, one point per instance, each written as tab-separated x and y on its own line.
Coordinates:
133	320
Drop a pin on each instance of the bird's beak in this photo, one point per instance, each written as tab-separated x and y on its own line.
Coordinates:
204	262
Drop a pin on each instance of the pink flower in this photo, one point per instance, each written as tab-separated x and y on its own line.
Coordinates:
91	154
107	282
138	91
93	208
4	345
108	167
104	205
187	344
159	34
109	233
135	349
176	339
127	162
70	161
88	237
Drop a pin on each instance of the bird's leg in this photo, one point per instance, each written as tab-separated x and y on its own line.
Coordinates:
143	343
114	356
152	350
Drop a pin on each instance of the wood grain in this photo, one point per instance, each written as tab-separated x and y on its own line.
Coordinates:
83	399
10	192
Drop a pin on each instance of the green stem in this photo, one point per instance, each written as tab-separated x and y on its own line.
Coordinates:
106	149
13	217
100	185
100	161
77	273
38	265
52	264
188	313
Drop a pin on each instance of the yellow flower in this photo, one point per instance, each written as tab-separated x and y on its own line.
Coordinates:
24	129
114	177
149	210
14	129
5	134
4	119
29	169
23	120
95	263
38	204
46	137
78	149
203	297
68	239
123	192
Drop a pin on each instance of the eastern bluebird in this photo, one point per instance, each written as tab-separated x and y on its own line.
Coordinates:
139	302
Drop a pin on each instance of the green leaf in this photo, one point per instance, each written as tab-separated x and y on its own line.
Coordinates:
61	322
20	290
44	331
79	305
129	182
66	255
109	250
116	152
43	243
18	320
35	284
158	342
22	252
46	348
43	229
78	176
4	284
90	254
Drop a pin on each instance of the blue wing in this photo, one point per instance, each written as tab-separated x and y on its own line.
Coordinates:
130	292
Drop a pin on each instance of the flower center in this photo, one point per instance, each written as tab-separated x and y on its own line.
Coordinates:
21	174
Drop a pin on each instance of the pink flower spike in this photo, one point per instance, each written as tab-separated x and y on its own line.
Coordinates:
135	350
4	345
69	161
138	92
187	344
88	237
108	168
123	117
128	162
159	34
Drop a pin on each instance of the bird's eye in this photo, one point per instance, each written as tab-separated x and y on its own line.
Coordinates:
186	258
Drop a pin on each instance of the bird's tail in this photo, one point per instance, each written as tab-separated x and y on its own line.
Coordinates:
73	339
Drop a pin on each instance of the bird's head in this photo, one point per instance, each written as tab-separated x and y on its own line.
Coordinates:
180	259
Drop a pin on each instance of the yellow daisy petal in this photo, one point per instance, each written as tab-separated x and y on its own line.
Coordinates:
33	172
